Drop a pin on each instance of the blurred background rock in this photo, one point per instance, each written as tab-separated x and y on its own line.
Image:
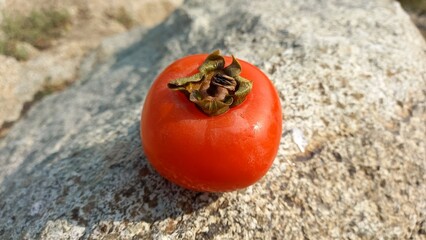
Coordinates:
417	11
43	42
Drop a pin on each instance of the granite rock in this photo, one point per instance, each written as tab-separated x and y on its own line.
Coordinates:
351	164
22	83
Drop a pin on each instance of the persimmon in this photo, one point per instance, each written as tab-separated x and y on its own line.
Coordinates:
211	123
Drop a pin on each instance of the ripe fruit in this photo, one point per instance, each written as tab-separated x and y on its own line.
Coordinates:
208	127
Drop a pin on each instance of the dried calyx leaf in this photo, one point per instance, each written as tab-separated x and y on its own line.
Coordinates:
215	88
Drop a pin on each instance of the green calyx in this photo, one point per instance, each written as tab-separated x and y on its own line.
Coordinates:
215	88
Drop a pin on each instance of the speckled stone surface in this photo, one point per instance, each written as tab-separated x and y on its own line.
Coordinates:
22	82
351	165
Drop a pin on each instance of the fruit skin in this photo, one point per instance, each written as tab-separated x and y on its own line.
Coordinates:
211	154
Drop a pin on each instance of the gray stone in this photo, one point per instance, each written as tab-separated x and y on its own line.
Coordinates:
22	83
351	165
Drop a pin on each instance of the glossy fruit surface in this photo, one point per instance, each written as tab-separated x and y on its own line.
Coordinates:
211	153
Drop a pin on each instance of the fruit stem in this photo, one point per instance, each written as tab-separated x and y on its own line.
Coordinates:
215	88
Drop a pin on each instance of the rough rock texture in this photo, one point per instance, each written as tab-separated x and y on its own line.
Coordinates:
20	82
351	165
